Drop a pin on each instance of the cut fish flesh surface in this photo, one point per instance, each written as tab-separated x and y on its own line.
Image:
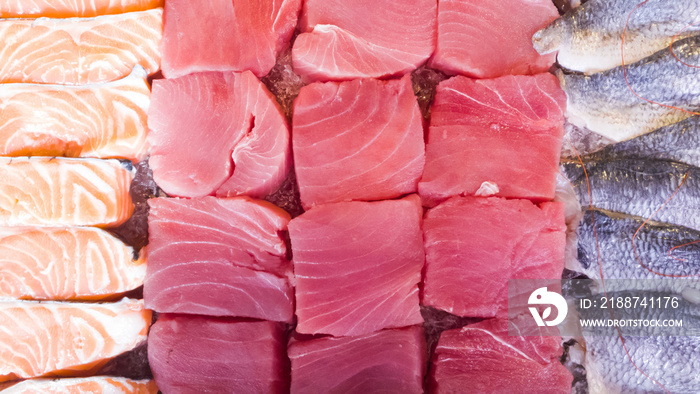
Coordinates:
475	245
618	109
198	354
45	191
348	39
106	120
76	263
488	39
72	8
385	361
53	338
218	257
238	35
478	129
484	358
679	142
217	133
357	266
589	38
80	51
94	384
639	188
357	140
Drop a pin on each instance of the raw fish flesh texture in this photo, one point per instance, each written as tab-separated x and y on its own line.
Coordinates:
589	38
102	120
46	191
217	133
218	257
669	360
66	338
357	266
475	245
238	35
658	256
76	263
196	354
484	358
388	361
488	39
357	140
478	129
348	39
640	187
679	142
95	384
605	104
80	51
72	8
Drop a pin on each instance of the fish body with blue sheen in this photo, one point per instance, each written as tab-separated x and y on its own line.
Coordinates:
623	103
589	38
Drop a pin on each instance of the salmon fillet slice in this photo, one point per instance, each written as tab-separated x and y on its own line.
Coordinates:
80	51
94	384
106	120
54	338
72	8
47	191
76	263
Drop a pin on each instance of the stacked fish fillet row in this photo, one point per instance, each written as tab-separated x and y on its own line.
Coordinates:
73	103
389	237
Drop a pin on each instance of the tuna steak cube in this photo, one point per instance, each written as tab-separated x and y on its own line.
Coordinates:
217	133
357	266
389	361
348	39
488	39
236	35
357	140
218	257
197	354
475	245
483	358
494	137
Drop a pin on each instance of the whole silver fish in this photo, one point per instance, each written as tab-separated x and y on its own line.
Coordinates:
639	188
678	142
605	104
655	243
589	37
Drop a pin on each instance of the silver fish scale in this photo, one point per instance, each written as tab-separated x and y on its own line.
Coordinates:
589	37
679	142
673	360
640	187
605	104
653	243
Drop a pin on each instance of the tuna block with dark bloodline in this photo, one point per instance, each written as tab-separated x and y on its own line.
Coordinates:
197	354
498	137
357	140
488	39
484	358
357	266
236	35
217	133
218	257
475	245
348	39
388	361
